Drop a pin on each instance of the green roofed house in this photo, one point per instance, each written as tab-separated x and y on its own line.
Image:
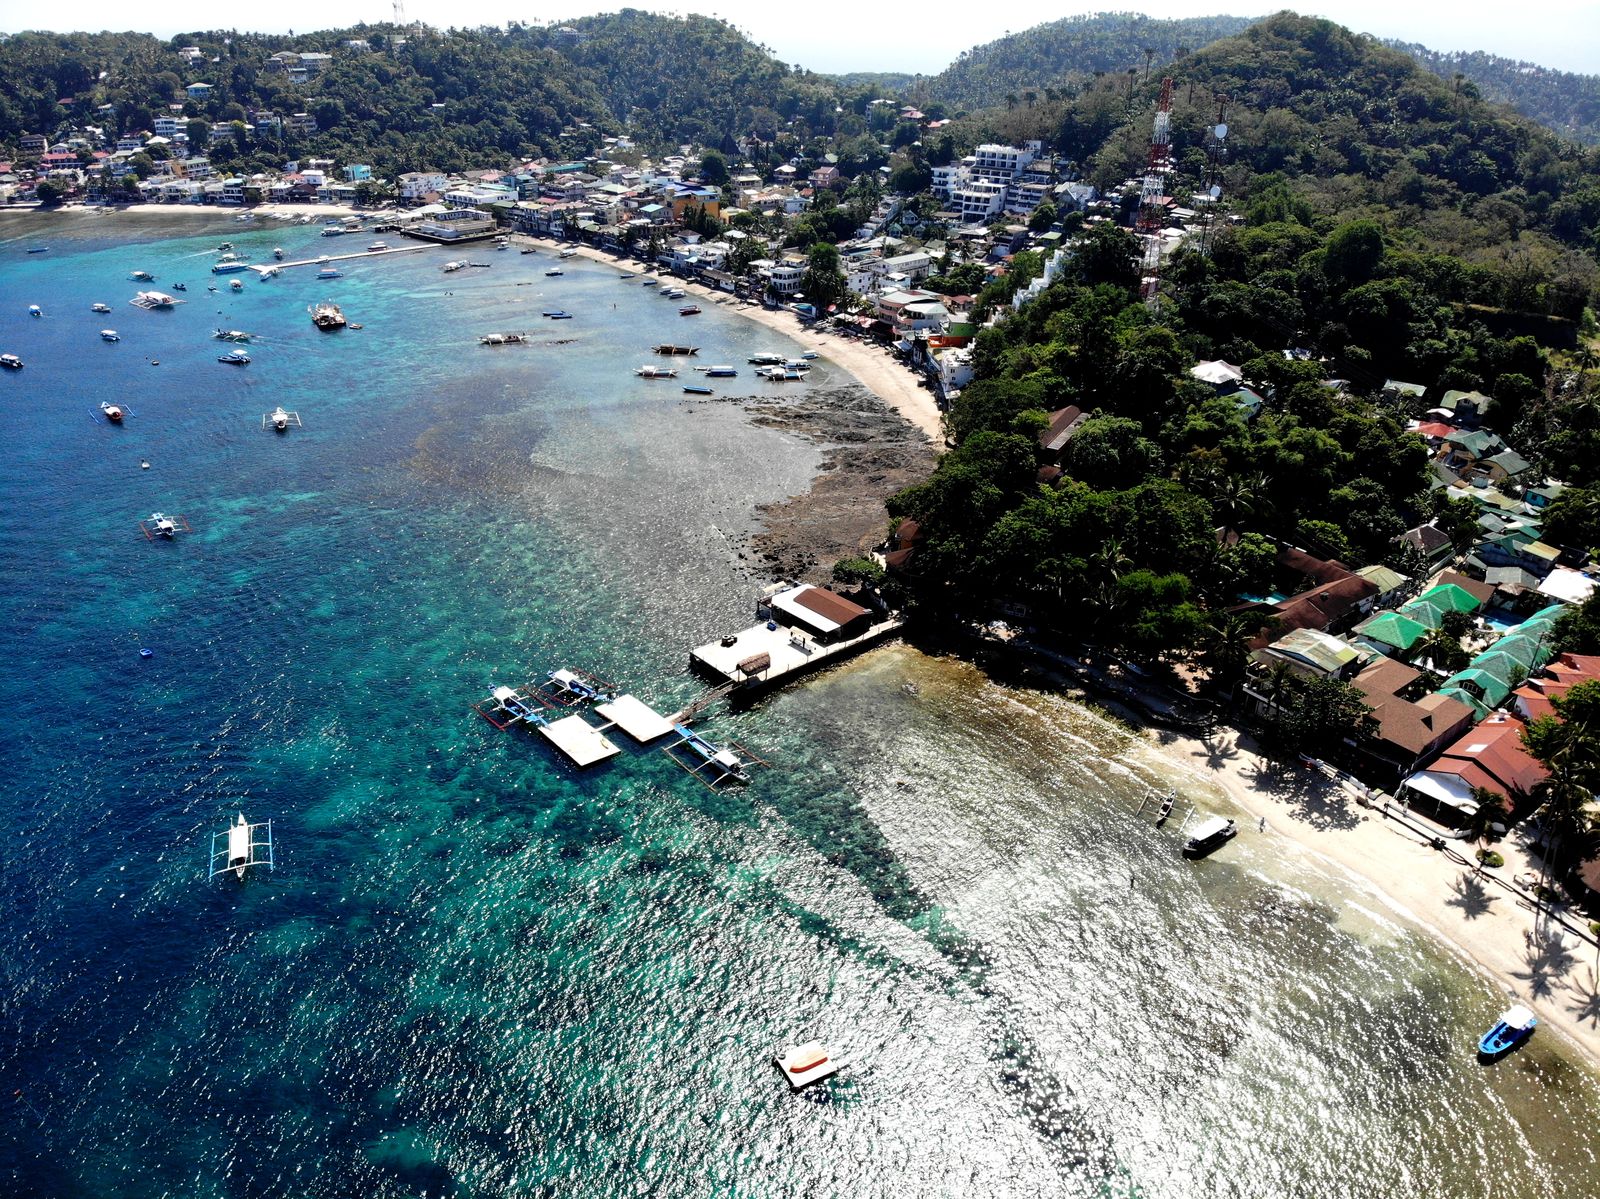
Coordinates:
1506	667
1396	389
1425	613
1390	583
1491	692
1392	629
1451	597
1507	466
1462	695
1542	619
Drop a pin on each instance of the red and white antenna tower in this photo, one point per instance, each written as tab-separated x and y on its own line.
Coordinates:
1152	218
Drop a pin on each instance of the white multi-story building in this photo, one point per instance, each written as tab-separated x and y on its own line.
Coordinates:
1002	162
979	200
784	277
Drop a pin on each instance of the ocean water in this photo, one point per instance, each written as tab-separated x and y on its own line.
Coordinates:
479	972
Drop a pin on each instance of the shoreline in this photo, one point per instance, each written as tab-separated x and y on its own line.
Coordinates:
866	364
1481	916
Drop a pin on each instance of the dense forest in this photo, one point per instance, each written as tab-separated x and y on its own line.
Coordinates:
1359	178
1065	52
444	100
1558	100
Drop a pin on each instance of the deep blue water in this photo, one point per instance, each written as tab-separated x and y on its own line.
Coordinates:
478	972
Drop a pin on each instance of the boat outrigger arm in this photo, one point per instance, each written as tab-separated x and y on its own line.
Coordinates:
714	765
507	707
242	845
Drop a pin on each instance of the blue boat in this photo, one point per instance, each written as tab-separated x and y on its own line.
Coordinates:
1513	1028
698	391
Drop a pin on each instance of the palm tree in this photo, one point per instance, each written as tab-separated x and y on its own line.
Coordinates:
1227	646
1237	496
1149	53
1442	650
1484	820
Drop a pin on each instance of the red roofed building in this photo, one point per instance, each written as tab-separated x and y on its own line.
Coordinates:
1490	757
1532	699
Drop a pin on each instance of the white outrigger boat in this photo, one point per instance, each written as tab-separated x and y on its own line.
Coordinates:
656	372
242	845
279	420
160	525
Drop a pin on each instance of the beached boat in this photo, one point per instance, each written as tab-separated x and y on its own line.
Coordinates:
650	283
327	316
99	307
110	335
626	275
689	310
689	389
529	250
238	335
1209	833
235	358
668	347
656	372
10	362
1514	1027
568	253
721	372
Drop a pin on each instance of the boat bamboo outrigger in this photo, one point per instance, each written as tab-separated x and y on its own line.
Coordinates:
714	765
507	707
159	524
240	846
153	300
111	414
279	420
567	688
668	347
656	372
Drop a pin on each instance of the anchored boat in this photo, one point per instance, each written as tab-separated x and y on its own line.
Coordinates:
327	316
279	420
240	846
1513	1028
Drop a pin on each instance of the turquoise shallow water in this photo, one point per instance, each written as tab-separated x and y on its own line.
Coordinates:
477	972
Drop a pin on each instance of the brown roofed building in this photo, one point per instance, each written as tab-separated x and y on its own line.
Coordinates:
1489	758
1064	425
821	613
1309	566
1331	608
1476	588
1409	731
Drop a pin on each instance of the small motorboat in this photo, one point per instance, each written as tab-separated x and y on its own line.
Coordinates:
567	253
554	312
35	310
1207	835
1513	1028
225	247
554	271
99	307
142	276
697	391
377	247
805	1064
650	283
10	362
277	252
626	275
38	249
110	335
529	250
454	265
721	372
809	354
235	358
689	310
235	285
184	287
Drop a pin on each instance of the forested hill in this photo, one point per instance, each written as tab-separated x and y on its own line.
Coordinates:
423	97
1558	100
1073	48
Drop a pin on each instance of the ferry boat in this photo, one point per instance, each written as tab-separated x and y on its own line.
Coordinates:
689	310
1207	835
330	272
656	372
327	316
10	362
333	231
1514	1027
99	307
235	358
110	335
230	266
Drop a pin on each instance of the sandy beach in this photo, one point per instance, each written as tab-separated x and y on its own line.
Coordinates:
871	365
1551	963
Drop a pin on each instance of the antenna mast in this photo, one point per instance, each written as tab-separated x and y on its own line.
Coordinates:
1152	216
400	13
1216	155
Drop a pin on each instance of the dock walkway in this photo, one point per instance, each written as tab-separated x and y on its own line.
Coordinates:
758	656
261	268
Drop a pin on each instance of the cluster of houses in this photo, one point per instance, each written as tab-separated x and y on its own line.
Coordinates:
1452	662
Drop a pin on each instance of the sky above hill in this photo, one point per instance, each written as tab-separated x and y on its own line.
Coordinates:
847	35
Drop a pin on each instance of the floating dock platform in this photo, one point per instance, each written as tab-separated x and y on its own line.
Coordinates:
579	740
636	718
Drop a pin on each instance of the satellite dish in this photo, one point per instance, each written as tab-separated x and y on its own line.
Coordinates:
1216	190
1222	132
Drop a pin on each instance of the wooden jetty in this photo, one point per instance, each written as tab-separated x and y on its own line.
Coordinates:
271	268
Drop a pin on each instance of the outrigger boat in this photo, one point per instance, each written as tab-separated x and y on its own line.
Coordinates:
697	391
507	707
152	300
238	335
502	339
112	414
240	846
656	372
159	524
1513	1028
668	347
279	420
714	765
566	688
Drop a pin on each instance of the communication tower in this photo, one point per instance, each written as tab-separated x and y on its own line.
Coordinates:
1152	216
